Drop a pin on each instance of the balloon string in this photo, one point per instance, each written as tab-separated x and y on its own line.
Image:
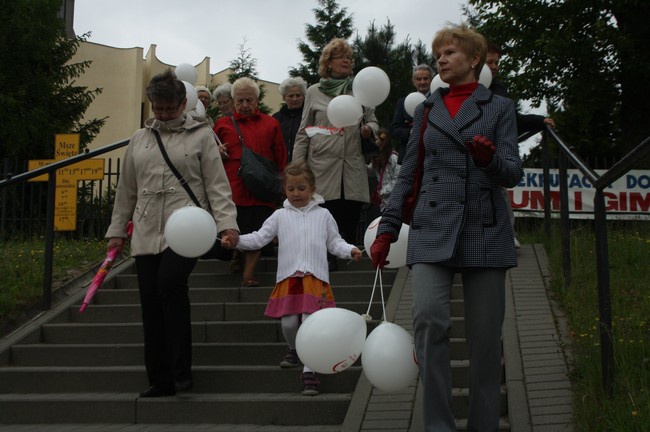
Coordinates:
381	290
372	295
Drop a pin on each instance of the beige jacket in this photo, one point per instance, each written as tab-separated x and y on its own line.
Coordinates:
333	157
148	192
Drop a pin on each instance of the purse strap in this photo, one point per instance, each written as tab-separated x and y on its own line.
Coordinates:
423	127
241	138
178	175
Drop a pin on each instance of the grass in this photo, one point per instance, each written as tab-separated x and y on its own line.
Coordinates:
629	267
22	269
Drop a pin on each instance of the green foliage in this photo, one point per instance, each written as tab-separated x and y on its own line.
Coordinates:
22	269
331	22
39	98
629	249
245	65
588	60
377	48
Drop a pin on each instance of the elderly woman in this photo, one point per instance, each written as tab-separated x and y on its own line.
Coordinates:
293	93
336	158
205	97
223	98
460	225
261	133
147	193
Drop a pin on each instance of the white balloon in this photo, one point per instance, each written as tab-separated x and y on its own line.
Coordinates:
344	110
331	340
191	95
186	72
190	231
485	77
388	358
397	253
371	86
412	100
436	83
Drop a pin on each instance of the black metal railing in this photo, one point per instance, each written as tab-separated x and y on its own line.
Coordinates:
51	170
599	182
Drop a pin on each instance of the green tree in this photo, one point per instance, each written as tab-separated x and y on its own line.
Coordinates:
245	65
588	61
39	97
378	48
331	22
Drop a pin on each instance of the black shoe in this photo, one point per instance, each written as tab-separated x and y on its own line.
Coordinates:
154	391
184	385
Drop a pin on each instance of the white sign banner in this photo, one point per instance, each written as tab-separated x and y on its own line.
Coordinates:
626	198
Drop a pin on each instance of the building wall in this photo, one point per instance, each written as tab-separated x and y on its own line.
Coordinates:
123	75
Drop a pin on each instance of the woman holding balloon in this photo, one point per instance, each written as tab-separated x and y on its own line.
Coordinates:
148	193
459	225
332	151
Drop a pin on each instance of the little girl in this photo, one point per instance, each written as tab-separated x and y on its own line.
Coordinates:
305	232
384	166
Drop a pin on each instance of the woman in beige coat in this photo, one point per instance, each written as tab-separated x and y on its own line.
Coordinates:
147	193
335	156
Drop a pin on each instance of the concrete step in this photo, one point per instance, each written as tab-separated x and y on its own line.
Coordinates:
207	379
290	409
206	332
212	280
122	296
203	354
200	312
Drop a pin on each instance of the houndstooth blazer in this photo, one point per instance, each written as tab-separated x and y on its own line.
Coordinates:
461	218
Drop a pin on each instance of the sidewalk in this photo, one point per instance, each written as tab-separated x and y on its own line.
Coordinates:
538	387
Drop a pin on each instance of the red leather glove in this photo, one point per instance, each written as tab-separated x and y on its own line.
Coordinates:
380	248
481	149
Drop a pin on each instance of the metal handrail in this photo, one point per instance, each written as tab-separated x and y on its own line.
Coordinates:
51	170
600	228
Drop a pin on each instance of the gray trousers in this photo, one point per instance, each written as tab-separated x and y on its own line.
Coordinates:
484	293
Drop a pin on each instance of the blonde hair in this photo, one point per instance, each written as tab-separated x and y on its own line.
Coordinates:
468	40
299	168
335	47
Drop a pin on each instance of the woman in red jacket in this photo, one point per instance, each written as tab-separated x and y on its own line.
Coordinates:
262	134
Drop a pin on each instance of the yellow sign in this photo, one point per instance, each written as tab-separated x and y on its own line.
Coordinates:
65	211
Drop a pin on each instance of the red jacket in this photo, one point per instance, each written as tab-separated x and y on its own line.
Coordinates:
263	135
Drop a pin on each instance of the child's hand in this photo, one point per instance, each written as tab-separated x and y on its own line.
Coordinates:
356	254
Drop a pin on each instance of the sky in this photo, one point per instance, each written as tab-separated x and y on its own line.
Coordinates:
187	32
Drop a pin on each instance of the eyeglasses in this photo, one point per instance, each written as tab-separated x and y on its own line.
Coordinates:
222	102
347	57
165	110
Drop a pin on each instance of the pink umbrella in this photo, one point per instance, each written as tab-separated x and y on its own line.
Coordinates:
103	270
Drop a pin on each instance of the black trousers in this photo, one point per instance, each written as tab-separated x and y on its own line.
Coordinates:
165	303
346	214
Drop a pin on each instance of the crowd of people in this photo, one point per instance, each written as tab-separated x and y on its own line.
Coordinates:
461	142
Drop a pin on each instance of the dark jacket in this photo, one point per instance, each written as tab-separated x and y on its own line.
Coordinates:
400	128
289	123
525	122
461	218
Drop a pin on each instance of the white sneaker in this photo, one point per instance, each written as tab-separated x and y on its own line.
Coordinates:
517	244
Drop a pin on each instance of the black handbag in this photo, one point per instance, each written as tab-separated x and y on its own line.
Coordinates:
259	174
217	251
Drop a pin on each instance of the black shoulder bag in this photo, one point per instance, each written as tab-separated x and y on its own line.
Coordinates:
259	174
217	251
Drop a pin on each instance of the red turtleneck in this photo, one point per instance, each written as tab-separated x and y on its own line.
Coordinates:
457	95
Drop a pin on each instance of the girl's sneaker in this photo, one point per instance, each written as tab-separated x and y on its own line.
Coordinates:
310	383
290	360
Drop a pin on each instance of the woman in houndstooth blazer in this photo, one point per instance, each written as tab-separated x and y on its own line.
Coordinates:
460	225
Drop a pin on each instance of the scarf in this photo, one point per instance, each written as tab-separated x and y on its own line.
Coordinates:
335	87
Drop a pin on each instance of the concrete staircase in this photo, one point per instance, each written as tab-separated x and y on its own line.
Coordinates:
74	368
